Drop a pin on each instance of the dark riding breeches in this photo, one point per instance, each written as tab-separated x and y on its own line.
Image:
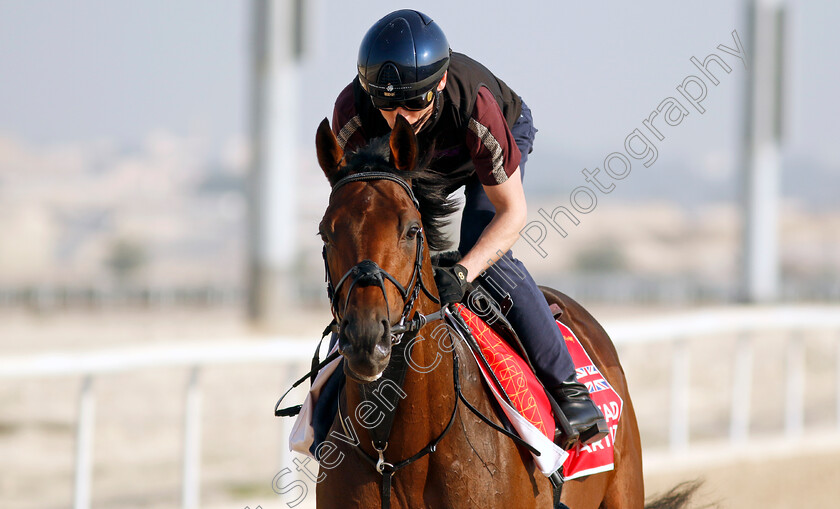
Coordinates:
530	316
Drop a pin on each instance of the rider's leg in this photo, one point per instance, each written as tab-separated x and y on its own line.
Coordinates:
530	315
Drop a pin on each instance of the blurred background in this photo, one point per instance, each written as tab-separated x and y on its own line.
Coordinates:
160	274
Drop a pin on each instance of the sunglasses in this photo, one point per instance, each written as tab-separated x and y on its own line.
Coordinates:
414	104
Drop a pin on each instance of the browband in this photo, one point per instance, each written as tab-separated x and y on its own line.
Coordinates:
378	175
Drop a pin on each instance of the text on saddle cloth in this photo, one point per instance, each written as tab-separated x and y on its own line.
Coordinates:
599	456
528	397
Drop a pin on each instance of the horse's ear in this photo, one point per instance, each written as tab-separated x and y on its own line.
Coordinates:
329	152
403	144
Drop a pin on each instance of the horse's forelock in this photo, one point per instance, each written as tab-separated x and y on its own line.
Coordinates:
429	186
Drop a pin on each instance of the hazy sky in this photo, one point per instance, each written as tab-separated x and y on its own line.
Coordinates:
76	70
591	71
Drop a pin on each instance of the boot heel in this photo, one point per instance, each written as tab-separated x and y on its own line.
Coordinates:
598	431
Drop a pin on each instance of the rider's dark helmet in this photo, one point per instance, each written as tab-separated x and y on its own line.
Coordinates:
401	60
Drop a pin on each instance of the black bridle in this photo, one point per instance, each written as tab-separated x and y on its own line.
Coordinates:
369	273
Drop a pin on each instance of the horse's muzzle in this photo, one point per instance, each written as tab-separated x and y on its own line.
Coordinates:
366	347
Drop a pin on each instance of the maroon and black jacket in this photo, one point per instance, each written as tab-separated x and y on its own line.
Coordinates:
470	131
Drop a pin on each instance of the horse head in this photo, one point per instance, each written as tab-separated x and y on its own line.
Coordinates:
375	249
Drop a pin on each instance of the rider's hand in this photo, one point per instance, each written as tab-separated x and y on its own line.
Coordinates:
451	283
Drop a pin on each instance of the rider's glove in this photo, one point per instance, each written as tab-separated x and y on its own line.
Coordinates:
451	283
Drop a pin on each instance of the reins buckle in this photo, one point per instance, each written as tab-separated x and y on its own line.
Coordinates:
381	464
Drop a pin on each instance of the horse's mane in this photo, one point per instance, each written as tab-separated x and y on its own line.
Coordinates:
430	187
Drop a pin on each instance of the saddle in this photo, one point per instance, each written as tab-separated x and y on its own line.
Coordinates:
492	328
493	315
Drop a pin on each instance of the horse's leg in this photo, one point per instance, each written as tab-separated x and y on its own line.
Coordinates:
627	489
623	487
587	492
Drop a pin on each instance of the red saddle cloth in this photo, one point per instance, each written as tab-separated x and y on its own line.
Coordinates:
528	397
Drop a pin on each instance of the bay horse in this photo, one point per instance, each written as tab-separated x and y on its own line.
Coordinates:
435	453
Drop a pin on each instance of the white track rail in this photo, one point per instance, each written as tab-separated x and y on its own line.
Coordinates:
282	352
747	323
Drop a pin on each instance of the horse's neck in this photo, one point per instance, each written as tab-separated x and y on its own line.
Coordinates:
428	386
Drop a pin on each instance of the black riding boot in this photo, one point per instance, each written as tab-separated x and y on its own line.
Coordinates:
583	414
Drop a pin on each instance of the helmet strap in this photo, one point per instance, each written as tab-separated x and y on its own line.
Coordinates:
436	109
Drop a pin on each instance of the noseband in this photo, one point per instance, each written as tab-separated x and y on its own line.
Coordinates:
369	273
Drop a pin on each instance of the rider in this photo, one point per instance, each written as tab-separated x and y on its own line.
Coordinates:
482	133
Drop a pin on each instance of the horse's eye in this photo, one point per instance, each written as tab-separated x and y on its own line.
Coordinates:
412	232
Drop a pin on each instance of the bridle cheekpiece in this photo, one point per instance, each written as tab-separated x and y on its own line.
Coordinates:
369	273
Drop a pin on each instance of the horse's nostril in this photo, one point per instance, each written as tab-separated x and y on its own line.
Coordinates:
345	348
362	335
382	350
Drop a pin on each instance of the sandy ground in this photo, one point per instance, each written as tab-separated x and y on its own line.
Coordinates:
762	475
139	419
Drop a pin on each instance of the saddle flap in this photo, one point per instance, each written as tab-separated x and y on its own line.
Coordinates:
511	373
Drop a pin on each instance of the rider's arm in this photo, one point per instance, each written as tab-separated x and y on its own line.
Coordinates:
496	158
346	124
511	214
